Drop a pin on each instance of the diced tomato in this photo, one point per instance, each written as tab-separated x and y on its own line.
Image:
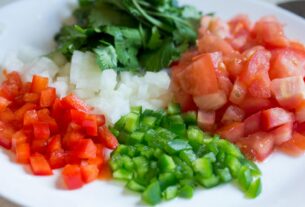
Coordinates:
260	86
31	98
300	113
40	165
184	99
212	43
19	114
295	146
30	117
275	117
90	125
286	63
233	114
252	105
54	144
289	92
200	77
6	133
107	138
268	31
206	120
257	146
253	123
41	131
211	102
57	159
238	92
73	102
23	153
232	131
47	97
234	64
282	133
39	84
72	177
4	103
89	172
18	138
85	149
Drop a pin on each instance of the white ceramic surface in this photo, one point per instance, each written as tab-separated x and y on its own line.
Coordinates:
32	24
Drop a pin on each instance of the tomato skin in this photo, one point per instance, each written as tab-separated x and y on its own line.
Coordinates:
295	146
232	131
233	114
89	172
73	102
201	71
206	120
23	153
47	97
72	177
107	138
40	165
275	117
39	83
211	102
289	92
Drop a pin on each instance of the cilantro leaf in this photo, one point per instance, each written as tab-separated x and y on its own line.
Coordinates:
106	57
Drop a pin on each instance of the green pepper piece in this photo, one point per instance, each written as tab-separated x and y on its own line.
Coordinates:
152	194
254	189
183	170
166	163
177	145
136	137
230	148
141	165
167	179
114	131
211	156
186	191
170	192
233	164
255	171
136	109
122	174
149	121
173	109
224	174
203	167
134	186
208	182
244	178
195	137
190	118
187	156
131	122
127	163
119	125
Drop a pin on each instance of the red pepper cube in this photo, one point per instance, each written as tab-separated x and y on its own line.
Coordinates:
73	102
4	103
6	133
71	139
40	165
107	138
85	149
77	116
39	145
7	115
23	153
31	98
89	172
41	130
44	116
30	117
100	158
101	120
90	125
72	177
19	113
39	83
18	138
47	97
54	144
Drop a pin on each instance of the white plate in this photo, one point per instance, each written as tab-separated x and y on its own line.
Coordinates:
33	23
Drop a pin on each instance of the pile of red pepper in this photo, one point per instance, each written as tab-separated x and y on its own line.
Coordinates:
50	133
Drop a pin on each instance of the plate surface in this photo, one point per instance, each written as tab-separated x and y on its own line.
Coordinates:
31	25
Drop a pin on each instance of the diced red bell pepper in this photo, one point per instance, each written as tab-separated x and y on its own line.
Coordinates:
105	172
4	103
31	98
90	125
73	102
19	114
77	116
45	117
40	165
39	83
39	145
89	172
101	119
71	139
47	97
54	144
7	115
6	133
23	153
18	138
41	131
107	138
72	177
57	159
30	117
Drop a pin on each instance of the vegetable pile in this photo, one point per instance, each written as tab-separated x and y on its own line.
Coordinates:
248	84
130	34
164	155
50	133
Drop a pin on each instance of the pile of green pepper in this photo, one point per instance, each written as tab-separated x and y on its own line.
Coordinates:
164	155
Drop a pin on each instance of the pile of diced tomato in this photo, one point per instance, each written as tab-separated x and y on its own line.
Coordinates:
247	81
50	133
